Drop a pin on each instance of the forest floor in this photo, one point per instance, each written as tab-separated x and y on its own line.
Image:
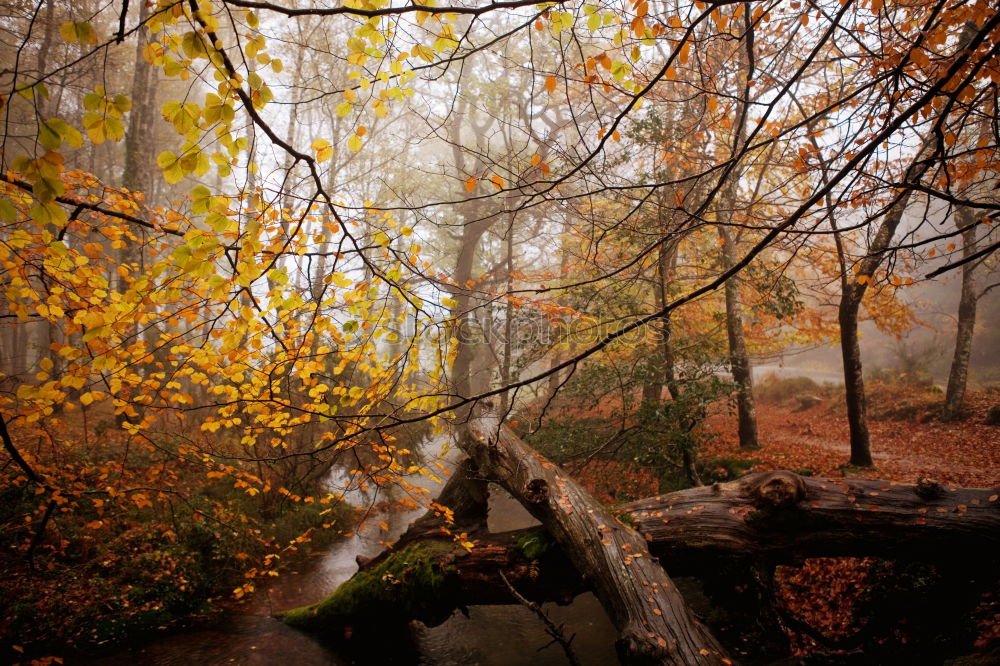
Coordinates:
908	440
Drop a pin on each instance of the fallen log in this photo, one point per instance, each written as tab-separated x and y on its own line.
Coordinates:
776	517
787	518
653	621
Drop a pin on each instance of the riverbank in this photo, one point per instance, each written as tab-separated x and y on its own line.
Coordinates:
170	541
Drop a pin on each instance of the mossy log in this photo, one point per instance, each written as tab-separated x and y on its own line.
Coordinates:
429	578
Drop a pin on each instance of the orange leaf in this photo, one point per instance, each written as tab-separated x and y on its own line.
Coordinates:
550	84
497	182
471	183
536	159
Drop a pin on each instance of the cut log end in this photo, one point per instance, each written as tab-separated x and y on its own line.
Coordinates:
536	491
928	489
776	490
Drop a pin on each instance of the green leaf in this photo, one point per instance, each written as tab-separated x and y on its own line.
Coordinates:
67	132
201	198
165	159
47	189
220	223
114	129
122	103
94	332
48	213
7	211
49	137
173	172
193	46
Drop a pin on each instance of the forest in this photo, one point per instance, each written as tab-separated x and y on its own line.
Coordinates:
499	332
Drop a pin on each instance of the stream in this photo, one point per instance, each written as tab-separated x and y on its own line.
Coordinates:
489	636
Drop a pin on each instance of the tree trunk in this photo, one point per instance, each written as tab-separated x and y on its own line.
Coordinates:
854	381
854	291
663	371
958	377
739	359
850	305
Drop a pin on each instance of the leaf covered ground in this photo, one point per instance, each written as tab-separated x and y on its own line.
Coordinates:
908	440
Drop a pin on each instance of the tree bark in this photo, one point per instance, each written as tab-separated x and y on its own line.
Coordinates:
854	381
739	359
958	377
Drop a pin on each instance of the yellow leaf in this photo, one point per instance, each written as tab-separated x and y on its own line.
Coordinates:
354	143
340	280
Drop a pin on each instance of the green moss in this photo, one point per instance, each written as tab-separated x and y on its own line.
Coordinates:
534	543
405	584
626	518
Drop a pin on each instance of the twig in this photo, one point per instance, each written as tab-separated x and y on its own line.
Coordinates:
550	628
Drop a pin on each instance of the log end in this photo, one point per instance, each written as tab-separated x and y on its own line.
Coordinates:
776	490
536	491
928	489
